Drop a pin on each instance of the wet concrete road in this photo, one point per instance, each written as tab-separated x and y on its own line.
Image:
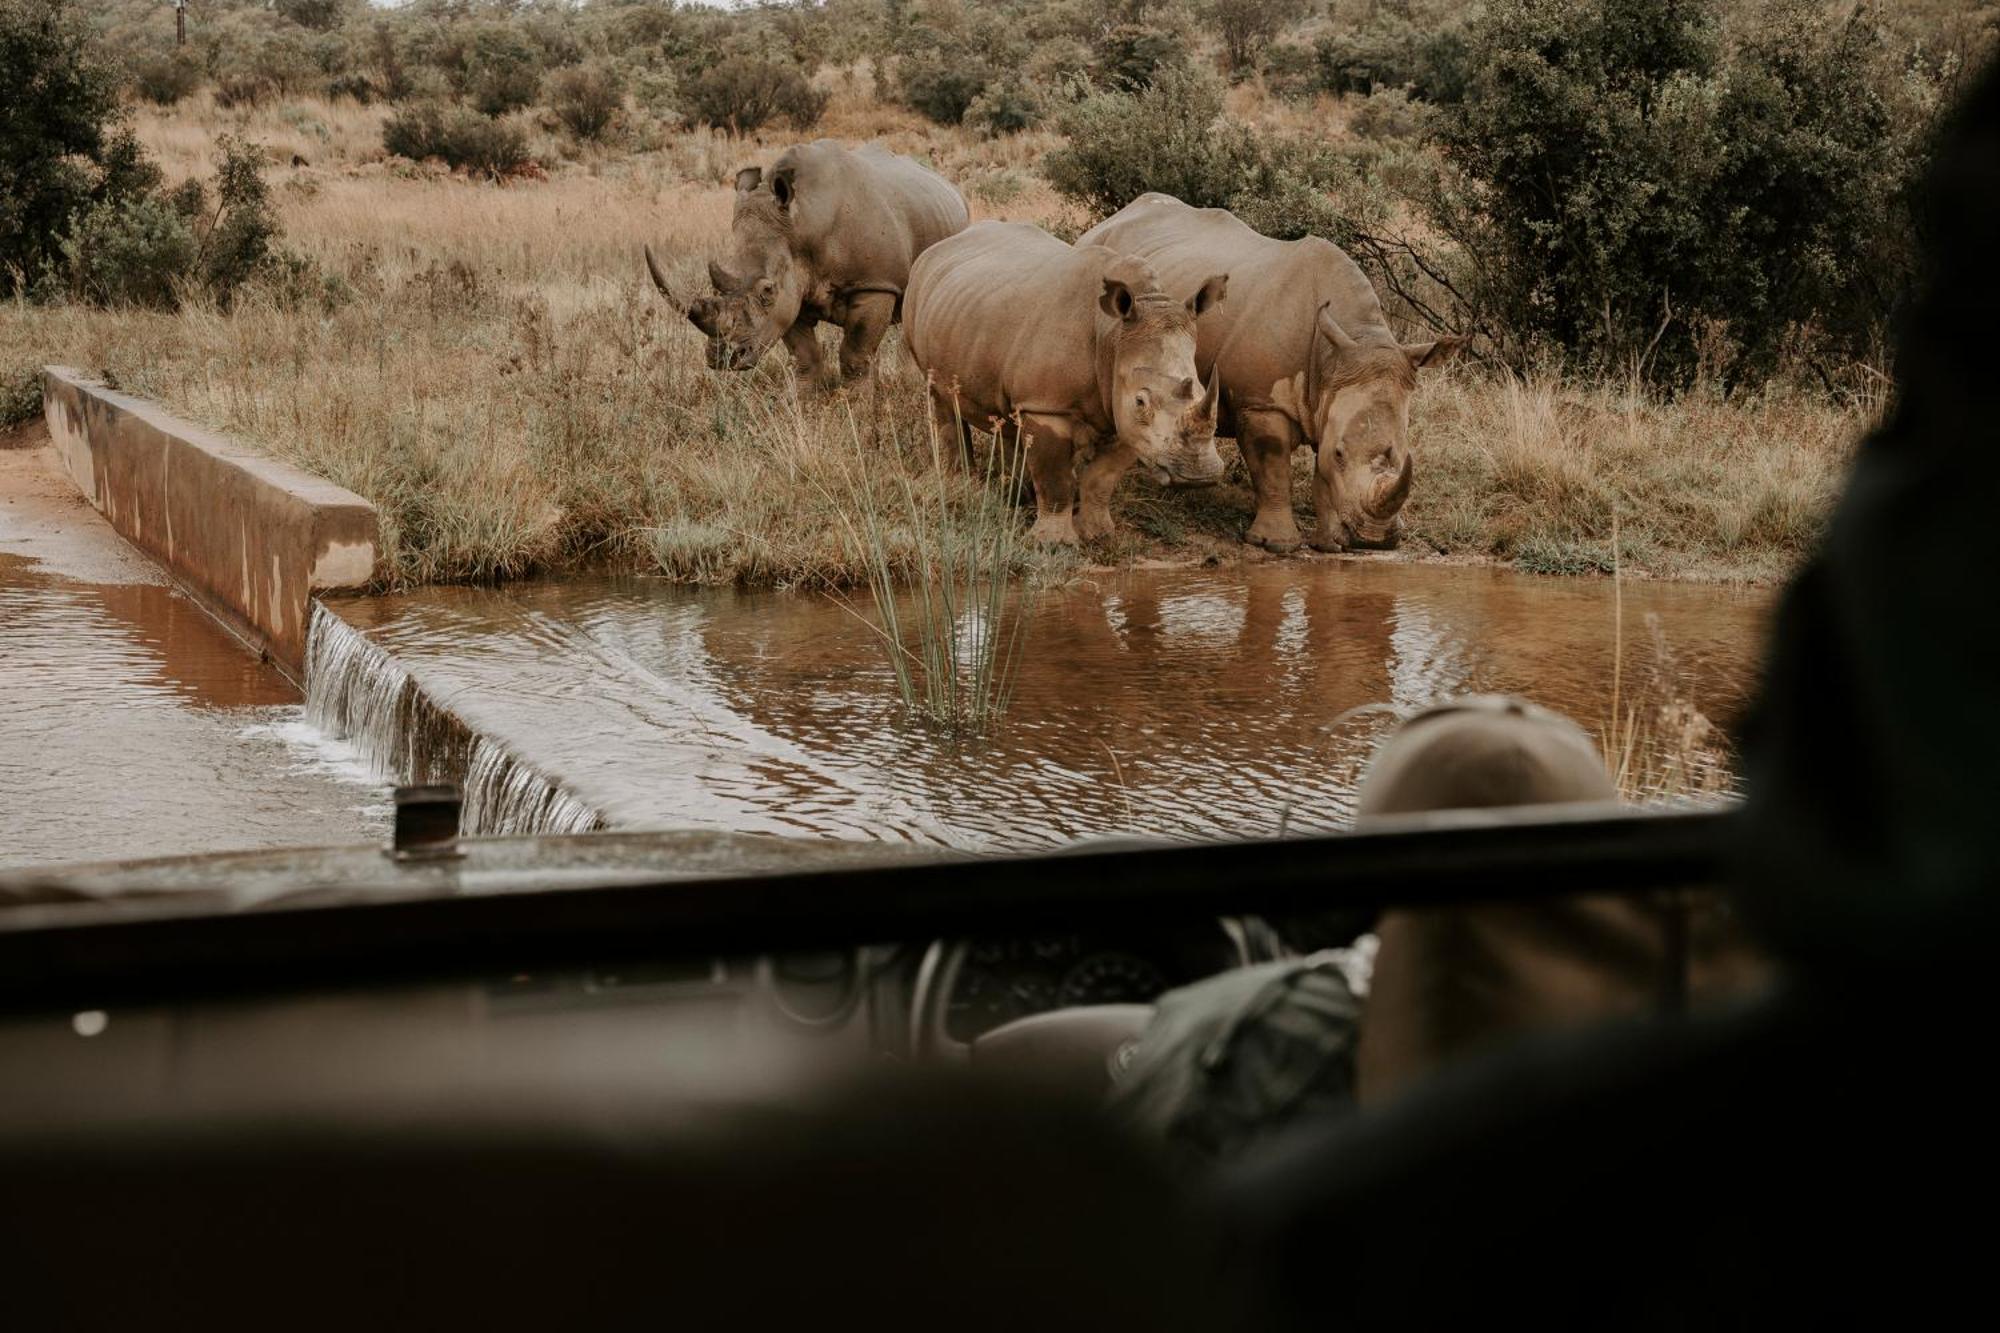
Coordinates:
130	723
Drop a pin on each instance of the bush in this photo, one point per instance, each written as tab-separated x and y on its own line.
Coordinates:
1390	114
355	87
1631	179
235	239
62	147
1248	26
1167	137
943	84
586	98
1174	138
146	249
165	78
1432	57
319	15
1131	55
20	396
457	136
743	93
502	71
1005	108
134	252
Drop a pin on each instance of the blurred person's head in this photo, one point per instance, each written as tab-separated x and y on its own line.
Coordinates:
1480	751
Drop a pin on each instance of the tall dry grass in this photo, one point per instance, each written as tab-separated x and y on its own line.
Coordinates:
503	381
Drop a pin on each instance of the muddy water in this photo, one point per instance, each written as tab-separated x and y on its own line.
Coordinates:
1181	704
132	725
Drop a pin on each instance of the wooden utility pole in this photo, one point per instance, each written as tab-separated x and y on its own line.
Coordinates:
180	22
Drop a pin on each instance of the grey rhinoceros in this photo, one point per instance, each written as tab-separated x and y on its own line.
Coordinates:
1305	357
826	236
1082	346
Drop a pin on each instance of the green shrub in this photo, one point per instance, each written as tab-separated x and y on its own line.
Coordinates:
943	84
1167	137
502	71
1130	55
129	252
20	396
586	98
62	146
744	93
1629	178
1005	108
354	87
236	237
1431	55
1291	69
459	137
1247	27
1390	114
148	248
165	78
319	15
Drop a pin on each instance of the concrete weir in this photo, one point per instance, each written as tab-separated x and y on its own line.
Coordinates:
253	538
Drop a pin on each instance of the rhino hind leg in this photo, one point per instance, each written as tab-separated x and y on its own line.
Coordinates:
869	315
1052	466
949	423
1267	445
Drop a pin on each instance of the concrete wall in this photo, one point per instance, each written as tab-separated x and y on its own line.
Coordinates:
253	537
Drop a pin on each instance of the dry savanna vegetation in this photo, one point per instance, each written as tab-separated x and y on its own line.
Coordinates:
482	355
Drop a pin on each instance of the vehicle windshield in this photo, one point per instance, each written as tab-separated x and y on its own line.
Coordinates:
1224	563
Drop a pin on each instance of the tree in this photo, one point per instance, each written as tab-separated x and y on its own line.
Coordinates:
1248	26
63	146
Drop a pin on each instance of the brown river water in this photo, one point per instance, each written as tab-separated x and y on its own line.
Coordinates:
131	724
1182	703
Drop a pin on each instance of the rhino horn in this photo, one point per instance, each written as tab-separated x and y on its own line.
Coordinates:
1390	501
1212	395
724	280
1335	334
660	280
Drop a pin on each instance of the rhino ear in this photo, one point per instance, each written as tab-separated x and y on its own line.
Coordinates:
749	179
1116	300
783	185
1211	292
1433	354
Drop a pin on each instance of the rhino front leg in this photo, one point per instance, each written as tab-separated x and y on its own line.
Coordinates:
869	315
802	341
1051	444
1266	440
1100	479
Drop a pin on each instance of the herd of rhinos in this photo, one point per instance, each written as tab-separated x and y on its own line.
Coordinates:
1120	349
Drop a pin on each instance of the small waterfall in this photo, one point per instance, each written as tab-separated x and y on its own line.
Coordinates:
503	796
358	693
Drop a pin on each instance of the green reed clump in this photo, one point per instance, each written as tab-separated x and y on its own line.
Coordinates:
940	574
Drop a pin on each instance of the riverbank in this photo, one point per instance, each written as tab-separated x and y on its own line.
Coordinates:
498	376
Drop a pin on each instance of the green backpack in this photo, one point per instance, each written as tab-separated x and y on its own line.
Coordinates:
1235	1058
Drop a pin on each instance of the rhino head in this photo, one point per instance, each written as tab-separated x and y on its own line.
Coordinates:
1364	468
1158	403
759	283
